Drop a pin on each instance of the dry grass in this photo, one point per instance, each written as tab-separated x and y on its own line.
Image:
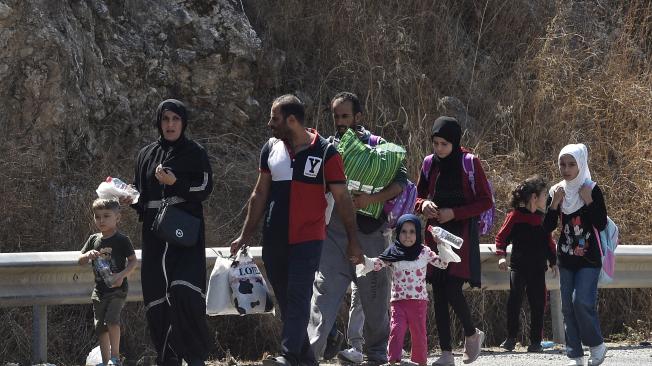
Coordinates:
531	75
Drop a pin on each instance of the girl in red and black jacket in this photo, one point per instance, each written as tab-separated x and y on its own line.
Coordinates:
532	250
446	198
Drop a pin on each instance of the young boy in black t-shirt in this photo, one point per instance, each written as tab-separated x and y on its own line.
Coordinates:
108	250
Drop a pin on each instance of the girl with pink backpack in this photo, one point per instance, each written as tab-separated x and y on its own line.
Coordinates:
577	203
453	192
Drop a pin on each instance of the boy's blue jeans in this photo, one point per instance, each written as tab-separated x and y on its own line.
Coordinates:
579	296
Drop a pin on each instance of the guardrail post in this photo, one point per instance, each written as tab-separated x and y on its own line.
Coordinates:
557	317
39	334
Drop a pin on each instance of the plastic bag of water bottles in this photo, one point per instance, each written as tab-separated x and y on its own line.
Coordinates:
114	188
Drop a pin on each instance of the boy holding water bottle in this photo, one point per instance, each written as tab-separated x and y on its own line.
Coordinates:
113	259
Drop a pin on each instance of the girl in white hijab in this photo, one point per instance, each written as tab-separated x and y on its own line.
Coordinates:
579	203
571	187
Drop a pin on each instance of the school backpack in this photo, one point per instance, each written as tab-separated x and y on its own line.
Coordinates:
608	240
404	202
486	219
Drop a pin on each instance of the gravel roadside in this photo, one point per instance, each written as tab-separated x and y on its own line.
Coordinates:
618	354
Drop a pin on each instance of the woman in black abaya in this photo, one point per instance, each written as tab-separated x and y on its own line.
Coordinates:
174	278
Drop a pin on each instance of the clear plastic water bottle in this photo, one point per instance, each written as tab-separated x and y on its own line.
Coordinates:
547	344
446	237
117	182
103	267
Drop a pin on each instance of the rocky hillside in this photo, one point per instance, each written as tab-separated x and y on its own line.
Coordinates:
81	81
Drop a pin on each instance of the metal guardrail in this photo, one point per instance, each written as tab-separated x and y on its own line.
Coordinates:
633	270
40	279
55	278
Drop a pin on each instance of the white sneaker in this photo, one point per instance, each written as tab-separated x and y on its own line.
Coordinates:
598	354
473	346
352	355
576	362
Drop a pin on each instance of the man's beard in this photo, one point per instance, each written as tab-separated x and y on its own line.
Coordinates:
341	129
281	132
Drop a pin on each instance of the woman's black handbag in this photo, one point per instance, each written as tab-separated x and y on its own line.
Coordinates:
176	226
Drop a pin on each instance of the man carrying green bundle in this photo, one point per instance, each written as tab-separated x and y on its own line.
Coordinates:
336	272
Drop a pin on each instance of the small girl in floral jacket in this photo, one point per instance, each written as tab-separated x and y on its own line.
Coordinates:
408	259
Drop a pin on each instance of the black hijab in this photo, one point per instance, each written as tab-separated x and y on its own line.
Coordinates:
399	252
180	109
448	129
448	190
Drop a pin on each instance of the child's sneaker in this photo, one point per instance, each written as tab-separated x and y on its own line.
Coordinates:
114	361
598	354
473	346
446	359
352	355
509	344
576	362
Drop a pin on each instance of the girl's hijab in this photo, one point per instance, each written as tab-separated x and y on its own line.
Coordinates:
448	129
572	200
448	188
178	108
399	252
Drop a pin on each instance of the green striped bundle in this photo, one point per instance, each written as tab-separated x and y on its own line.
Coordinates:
369	169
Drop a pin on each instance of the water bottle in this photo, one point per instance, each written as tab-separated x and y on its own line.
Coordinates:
547	344
446	237
103	267
117	182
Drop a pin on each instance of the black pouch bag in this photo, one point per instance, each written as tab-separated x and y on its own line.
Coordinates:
176	226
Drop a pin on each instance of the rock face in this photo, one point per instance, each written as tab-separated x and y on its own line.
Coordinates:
81	80
71	67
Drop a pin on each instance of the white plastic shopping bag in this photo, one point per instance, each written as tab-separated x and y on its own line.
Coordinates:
248	287
218	296
94	357
362	269
446	253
